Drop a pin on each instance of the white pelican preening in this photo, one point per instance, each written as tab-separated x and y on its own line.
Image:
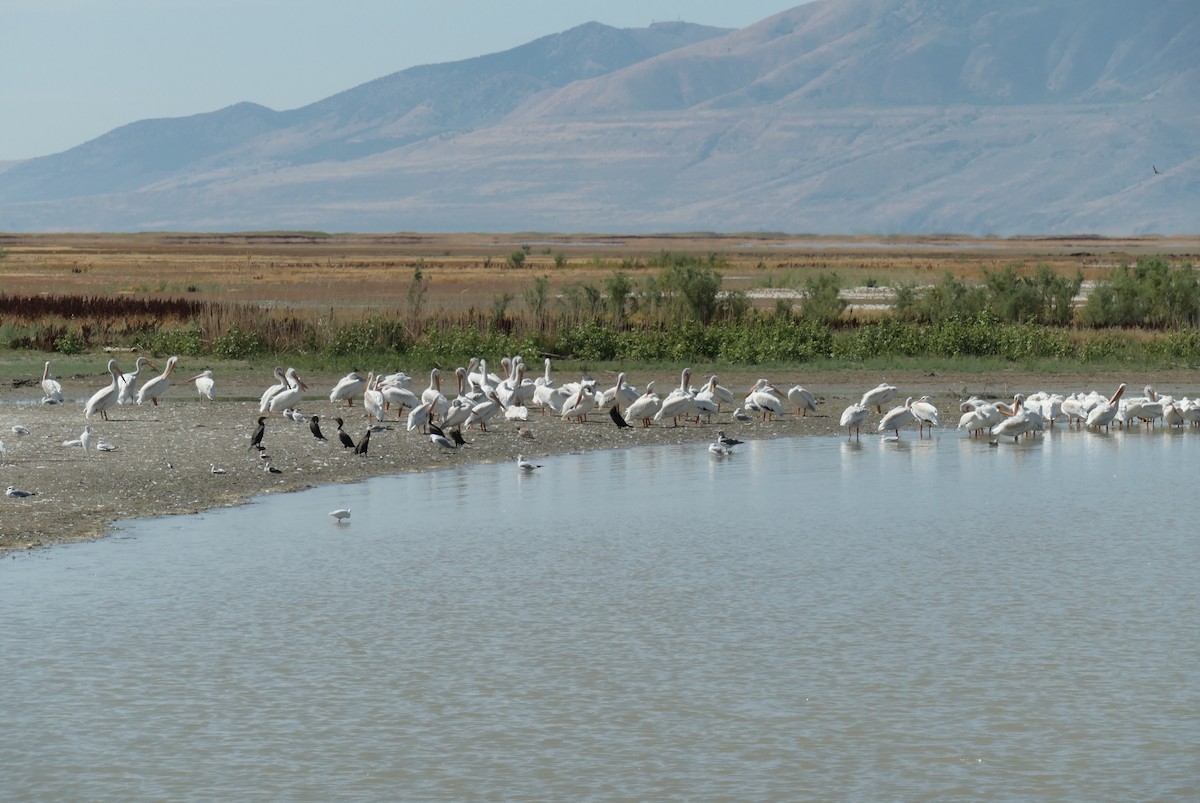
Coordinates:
129	380
1021	421
645	407
347	388
106	397
51	389
803	398
897	417
926	414
876	396
854	416
679	402
153	388
762	398
206	386
341	515
1102	414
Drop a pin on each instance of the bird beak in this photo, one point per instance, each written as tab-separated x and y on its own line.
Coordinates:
194	378
301	384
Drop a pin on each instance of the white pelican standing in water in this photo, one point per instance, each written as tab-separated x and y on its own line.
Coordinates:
341	515
854	416
926	414
129	380
155	387
1102	414
51	390
206	386
287	398
898	417
106	397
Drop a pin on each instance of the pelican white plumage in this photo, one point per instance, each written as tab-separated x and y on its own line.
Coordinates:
876	396
373	400
622	394
1102	414
433	394
580	403
926	414
645	407
803	398
897	417
419	416
762	398
153	388
85	437
854	416
106	397
1021	421
52	392
705	401
281	384
129	380
458	412
980	415
347	388
482	412
206	386
1147	408
341	515
679	402
289	396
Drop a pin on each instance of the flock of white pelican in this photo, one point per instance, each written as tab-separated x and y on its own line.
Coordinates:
483	397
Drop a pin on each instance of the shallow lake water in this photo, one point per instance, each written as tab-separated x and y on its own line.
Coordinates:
813	619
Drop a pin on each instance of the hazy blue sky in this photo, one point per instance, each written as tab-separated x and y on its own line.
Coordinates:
70	70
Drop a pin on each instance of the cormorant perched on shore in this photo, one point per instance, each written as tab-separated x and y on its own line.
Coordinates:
347	442
615	415
364	444
314	428
256	438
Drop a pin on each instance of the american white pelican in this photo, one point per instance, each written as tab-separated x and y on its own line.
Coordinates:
1021	421
705	401
482	412
280	385
762	398
398	396
1147	408
85	438
458	412
579	404
129	381
373	398
876	396
679	402
645	407
15	493
51	389
106	397
926	414
153	388
621	394
206	386
433	394
526	465
853	418
517	412
288	397
803	398
981	415
347	388
897	417
1102	414
419	417
341	515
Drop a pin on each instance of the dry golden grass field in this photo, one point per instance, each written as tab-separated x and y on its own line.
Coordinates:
468	271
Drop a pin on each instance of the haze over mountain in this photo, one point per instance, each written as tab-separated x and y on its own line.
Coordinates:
973	116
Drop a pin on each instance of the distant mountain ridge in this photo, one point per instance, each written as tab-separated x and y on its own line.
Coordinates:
972	116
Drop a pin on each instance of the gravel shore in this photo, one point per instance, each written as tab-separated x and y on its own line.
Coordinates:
164	456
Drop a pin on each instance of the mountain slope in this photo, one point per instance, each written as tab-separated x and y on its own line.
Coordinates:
976	116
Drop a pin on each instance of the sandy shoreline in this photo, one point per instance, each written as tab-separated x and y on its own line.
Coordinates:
164	455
